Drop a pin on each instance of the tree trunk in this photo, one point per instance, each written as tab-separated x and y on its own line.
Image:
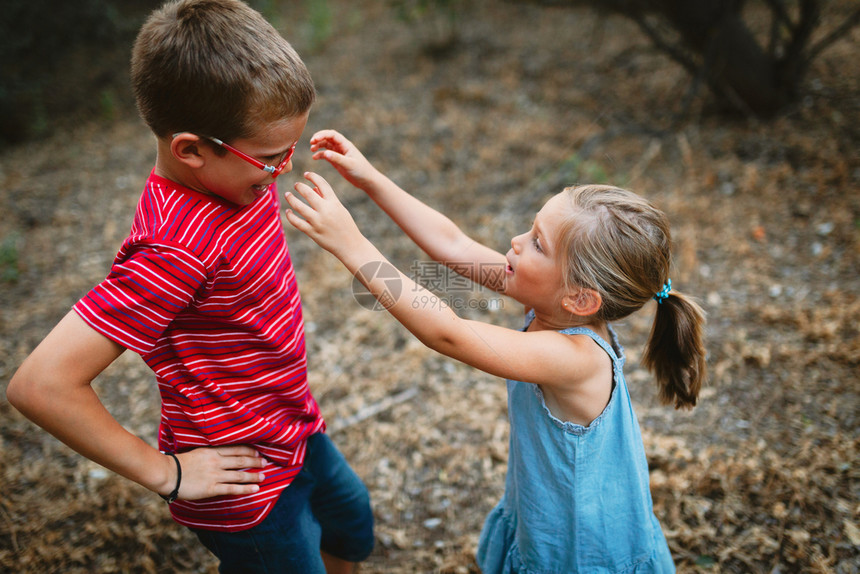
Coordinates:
734	63
728	57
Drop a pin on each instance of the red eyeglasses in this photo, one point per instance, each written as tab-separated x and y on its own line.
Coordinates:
274	170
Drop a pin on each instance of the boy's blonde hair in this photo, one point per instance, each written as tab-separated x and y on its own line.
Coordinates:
215	68
619	245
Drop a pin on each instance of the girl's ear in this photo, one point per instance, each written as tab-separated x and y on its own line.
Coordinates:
584	302
185	147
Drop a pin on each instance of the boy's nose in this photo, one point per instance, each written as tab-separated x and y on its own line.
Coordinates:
286	169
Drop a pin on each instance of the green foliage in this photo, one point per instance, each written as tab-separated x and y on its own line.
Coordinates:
320	18
56	57
108	104
415	10
268	8
575	169
439	19
9	271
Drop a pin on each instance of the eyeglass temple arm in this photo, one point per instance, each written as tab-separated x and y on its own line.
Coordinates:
258	163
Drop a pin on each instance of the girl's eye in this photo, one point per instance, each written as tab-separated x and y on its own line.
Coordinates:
536	243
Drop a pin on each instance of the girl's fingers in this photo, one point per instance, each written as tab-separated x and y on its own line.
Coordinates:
321	135
323	140
297	206
327	154
331	146
298	222
338	160
332	135
310	195
322	186
301	215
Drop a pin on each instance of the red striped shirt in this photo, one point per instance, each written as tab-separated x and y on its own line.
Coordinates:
205	292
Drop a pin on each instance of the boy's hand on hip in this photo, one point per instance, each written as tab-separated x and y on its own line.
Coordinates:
216	471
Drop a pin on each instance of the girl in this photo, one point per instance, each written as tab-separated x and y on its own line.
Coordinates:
576	495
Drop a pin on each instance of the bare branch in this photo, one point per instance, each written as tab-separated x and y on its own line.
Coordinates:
780	18
673	50
833	36
716	46
810	13
373	410
780	13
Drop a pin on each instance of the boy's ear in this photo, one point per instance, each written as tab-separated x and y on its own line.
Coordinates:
583	302
185	147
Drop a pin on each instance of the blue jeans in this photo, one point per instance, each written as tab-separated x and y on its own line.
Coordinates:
326	507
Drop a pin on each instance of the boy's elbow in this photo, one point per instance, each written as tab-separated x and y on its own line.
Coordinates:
21	392
15	393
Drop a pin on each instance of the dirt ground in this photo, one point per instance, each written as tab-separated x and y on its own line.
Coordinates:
484	122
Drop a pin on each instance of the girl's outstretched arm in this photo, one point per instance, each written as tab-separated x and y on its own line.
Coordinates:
543	357
431	230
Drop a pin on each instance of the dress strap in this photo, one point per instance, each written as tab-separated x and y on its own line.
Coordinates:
614	350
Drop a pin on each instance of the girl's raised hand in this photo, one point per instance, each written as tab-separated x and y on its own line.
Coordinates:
218	471
342	154
323	218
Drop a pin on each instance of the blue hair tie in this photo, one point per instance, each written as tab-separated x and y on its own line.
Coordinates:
663	293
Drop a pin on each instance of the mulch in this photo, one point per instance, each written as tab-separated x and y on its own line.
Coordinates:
484	121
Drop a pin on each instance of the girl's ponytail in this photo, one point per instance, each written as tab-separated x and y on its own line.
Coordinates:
618	244
675	351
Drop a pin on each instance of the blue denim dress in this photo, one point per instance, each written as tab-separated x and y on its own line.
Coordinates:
577	498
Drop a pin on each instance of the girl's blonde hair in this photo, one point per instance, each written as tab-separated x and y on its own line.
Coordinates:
619	245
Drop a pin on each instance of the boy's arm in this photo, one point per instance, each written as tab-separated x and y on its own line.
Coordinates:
432	231
53	389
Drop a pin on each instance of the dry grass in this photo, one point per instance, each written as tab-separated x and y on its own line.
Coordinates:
761	477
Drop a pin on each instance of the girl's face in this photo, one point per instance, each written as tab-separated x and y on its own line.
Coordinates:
239	182
533	274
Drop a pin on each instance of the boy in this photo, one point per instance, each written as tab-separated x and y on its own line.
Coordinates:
204	290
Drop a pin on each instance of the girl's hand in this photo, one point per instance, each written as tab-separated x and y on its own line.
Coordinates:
323	218
216	471
342	154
